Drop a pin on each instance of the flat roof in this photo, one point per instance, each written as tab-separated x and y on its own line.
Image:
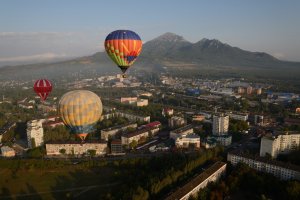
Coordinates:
138	132
181	129
118	126
258	158
182	191
78	142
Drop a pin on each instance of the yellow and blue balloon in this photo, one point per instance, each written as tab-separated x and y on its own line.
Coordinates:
80	110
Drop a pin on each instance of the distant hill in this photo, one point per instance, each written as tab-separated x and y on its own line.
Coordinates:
168	53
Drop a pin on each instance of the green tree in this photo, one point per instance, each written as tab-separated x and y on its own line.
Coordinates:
140	194
62	151
133	144
91	152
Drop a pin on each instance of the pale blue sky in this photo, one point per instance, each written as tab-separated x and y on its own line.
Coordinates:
34	29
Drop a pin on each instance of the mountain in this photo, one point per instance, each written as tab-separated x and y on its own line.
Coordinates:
173	47
167	53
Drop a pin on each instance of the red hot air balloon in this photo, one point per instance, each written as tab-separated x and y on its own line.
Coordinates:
43	87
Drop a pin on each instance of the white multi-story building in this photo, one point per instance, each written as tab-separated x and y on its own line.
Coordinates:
139	135
282	143
176	121
35	133
142	102
212	174
112	131
186	141
128	100
238	116
220	124
281	170
183	131
224	140
75	148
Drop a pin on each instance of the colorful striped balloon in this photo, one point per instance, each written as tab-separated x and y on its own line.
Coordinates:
80	110
123	47
42	87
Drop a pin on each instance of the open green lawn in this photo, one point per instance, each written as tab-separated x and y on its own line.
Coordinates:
61	183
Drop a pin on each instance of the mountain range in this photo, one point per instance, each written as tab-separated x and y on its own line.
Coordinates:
167	53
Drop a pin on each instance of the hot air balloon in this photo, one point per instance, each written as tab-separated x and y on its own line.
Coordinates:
80	110
43	87
123	47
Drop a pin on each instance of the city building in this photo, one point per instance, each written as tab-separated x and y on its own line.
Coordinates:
128	100
25	105
237	116
75	148
47	108
190	189
224	140
258	91
198	118
142	102
291	121
6	151
116	147
180	132
139	135
35	133
274	144
284	171
53	124
241	90
167	112
176	121
112	131
186	141
132	117
146	94
209	143
155	124
6	128
249	90
220	124
259	120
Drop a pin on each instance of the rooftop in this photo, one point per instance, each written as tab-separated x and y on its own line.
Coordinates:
118	126
6	149
152	124
78	142
182	191
239	152
116	142
182	129
138	132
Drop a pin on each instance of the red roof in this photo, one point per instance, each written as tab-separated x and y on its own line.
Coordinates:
116	142
152	124
53	123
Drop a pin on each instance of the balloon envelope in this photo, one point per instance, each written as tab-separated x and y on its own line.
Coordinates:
80	110
43	87
123	47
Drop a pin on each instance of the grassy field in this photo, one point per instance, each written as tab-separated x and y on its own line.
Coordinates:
67	182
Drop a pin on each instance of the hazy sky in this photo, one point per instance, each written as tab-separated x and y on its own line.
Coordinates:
41	29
